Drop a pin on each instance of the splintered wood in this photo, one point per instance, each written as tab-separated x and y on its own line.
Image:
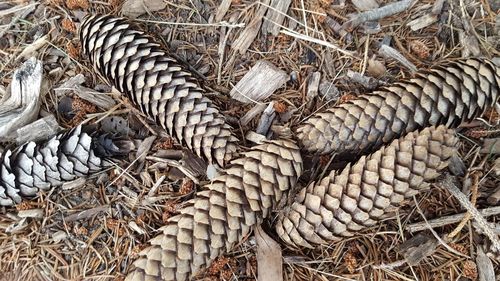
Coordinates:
21	106
275	16
259	83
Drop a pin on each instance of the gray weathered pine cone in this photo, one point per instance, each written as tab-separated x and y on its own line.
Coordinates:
345	202
158	85
221	216
33	166
447	94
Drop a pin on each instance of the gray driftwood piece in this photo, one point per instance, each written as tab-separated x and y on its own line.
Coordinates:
259	83
275	16
20	106
247	36
39	130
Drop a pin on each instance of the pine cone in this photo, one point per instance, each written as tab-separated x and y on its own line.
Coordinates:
447	94
343	203
41	166
220	217
158	85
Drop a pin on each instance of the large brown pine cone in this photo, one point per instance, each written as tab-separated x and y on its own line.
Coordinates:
343	203
221	216
41	166
158	85
449	93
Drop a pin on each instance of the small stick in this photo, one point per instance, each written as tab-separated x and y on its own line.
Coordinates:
475	185
376	14
447	220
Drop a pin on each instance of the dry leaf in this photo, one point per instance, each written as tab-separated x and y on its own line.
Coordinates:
135	8
269	259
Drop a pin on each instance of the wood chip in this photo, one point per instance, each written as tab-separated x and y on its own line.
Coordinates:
39	130
313	85
266	120
365	5
101	100
376	14
222	10
247	36
133	225
484	266
250	115
259	83
135	8
391	53
275	16
32	213
422	22
269	257
369	83
21	106
418	248
70	84
491	146
85	214
33	47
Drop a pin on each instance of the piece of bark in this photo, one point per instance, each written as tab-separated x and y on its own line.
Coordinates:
389	52
101	100
70	84
365	5
21	106
135	8
40	129
337	28
329	91
491	146
254	111
247	36
33	47
222	10
85	214
275	16
313	85
494	198
447	220
369	83
259	83
269	257
266	120
376	14
418	248
496	167
422	22
31	213
485	269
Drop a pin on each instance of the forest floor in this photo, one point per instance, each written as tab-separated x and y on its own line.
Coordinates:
94	229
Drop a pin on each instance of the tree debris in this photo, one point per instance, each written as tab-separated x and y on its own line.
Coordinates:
259	82
275	16
248	35
135	8
21	106
39	130
376	14
269	258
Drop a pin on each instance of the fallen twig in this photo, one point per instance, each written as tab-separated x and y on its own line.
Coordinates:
376	14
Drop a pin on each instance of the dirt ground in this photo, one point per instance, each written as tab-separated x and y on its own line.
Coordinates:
93	230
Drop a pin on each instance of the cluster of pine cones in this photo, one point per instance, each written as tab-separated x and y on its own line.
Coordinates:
402	133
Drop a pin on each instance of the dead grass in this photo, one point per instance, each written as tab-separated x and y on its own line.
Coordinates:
119	210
